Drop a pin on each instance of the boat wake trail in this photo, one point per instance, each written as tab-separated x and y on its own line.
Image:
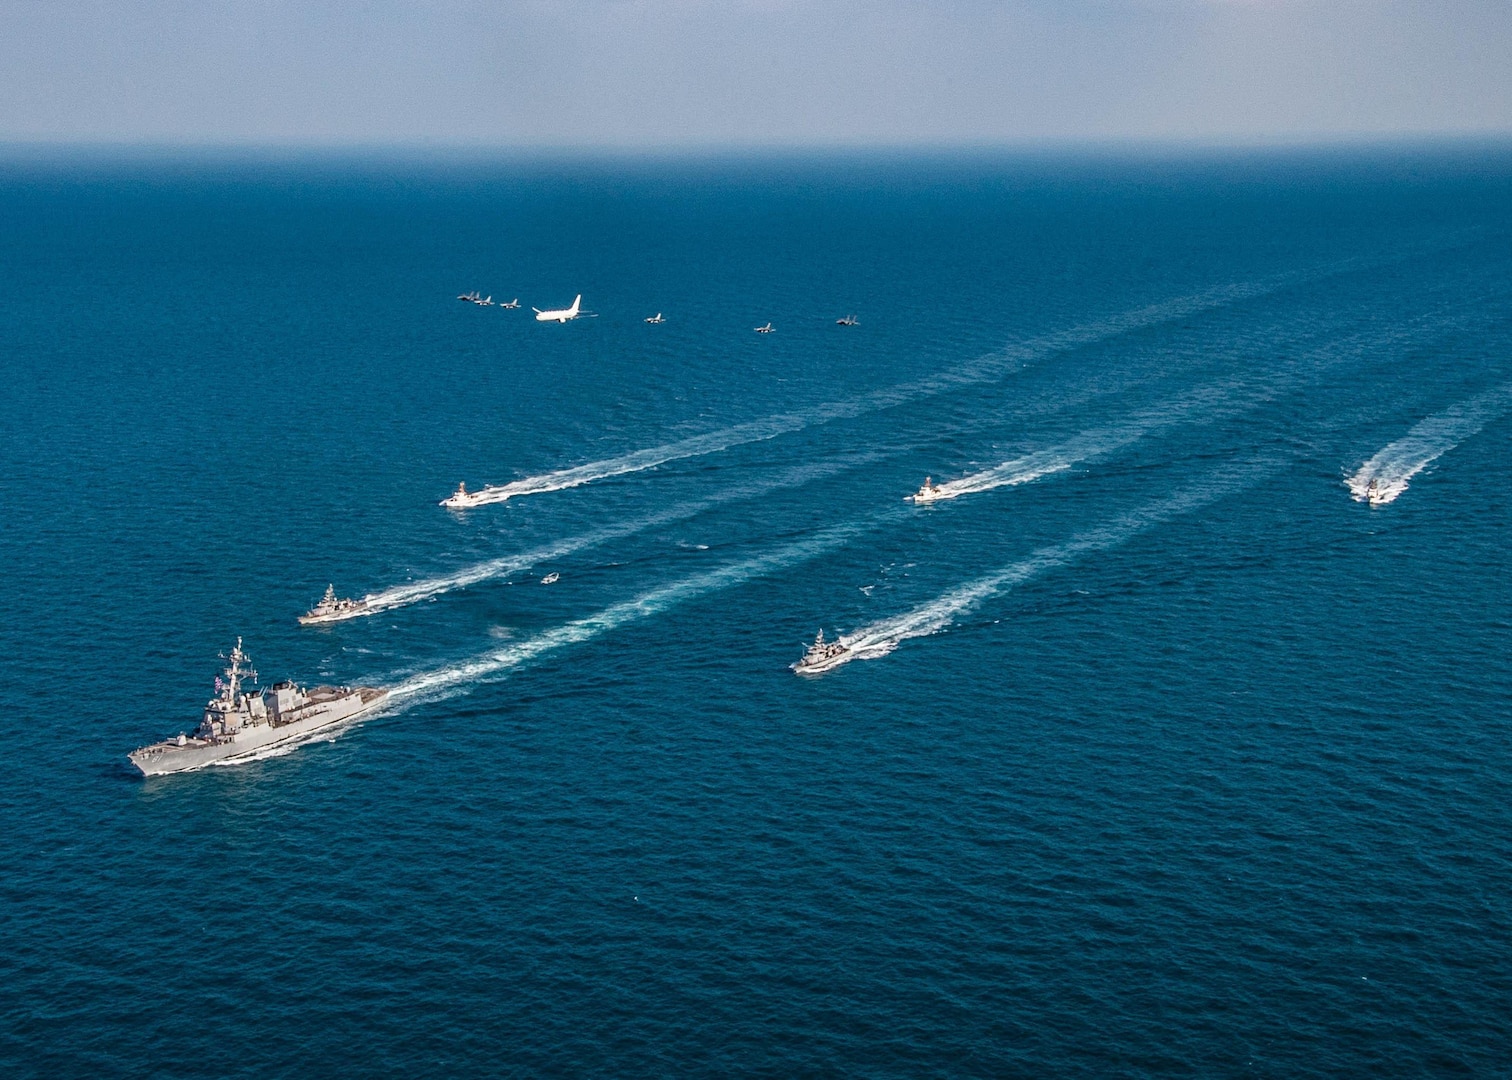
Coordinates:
414	592
881	638
454	679
1210	402
1384	477
983	369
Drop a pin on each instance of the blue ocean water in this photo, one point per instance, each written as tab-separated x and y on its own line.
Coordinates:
1161	754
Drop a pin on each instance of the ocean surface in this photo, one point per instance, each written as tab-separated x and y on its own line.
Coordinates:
1160	749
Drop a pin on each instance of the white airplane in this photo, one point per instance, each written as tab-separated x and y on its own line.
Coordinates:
561	315
511	305
767	329
657	318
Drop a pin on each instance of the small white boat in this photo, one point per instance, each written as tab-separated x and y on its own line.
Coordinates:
657	318
460	498
927	493
1378	495
551	578
767	329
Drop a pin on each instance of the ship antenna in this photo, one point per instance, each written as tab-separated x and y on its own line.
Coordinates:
235	674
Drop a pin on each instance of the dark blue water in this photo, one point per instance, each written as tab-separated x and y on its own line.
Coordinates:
1163	755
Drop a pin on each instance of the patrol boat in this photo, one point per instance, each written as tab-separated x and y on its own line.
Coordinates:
333	608
461	497
822	655
1378	494
239	725
928	493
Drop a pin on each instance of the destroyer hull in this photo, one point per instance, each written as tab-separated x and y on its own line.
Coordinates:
249	742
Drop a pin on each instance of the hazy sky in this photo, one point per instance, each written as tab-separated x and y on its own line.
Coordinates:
657	72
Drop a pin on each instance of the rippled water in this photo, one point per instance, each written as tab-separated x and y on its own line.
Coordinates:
1159	752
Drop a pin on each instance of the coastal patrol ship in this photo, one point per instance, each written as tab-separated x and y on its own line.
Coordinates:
239	725
461	498
930	492
333	608
822	655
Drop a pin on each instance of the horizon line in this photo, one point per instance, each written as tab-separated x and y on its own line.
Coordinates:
716	148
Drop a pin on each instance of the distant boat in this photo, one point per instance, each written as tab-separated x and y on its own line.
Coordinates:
849	320
551	578
822	655
767	329
460	498
928	493
657	318
511	305
333	608
1378	495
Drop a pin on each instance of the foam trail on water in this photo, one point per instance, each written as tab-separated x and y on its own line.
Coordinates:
1384	477
882	637
444	682
1211	401
983	369
414	592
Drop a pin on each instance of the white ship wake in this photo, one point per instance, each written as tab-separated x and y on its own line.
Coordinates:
987	368
456	678
398	596
882	637
1384	477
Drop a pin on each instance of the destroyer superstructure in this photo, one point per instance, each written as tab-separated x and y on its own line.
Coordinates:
239	725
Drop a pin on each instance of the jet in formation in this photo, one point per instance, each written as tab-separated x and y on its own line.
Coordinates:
561	315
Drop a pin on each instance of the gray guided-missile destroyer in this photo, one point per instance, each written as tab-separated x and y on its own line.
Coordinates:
239	725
